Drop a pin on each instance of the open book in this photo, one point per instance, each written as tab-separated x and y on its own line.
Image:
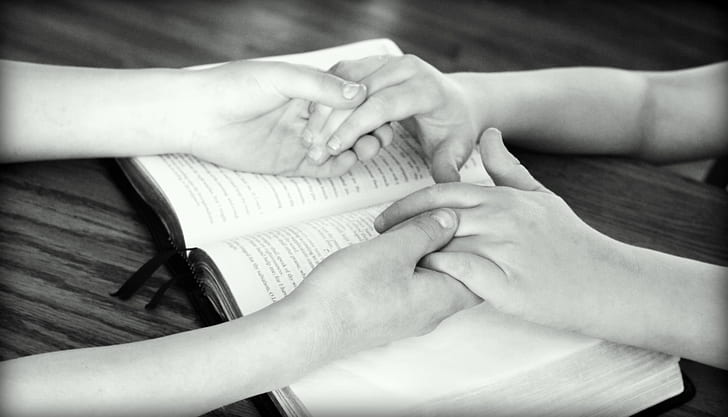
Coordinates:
258	236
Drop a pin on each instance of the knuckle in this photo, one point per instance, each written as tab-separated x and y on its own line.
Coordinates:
324	79
461	267
509	196
426	227
412	61
351	130
507	222
430	194
377	106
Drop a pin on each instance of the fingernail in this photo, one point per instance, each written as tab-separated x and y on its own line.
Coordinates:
334	143
444	218
502	147
350	90
378	222
315	154
311	107
307	137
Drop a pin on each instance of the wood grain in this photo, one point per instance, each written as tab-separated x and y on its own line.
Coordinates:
68	237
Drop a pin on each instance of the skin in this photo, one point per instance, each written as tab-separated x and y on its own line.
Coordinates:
519	246
248	116
522	249
243	115
360	297
662	117
403	89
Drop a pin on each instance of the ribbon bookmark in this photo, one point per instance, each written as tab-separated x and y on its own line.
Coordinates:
142	274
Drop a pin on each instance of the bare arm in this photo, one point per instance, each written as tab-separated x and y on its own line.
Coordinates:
556	270
360	297
659	116
244	115
52	112
662	302
184	374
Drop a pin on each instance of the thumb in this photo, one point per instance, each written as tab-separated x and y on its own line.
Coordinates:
447	158
424	234
298	81
504	168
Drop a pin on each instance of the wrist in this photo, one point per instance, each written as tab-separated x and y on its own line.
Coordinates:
480	99
165	109
180	109
319	333
615	286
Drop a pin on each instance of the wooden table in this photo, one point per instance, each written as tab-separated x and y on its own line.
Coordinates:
68	236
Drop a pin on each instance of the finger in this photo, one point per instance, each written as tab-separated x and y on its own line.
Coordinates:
483	243
357	69
385	134
396	71
332	167
366	148
481	275
318	152
423	234
352	70
452	295
298	81
504	168
482	220
448	157
316	121
446	163
454	195
393	104
335	119
317	155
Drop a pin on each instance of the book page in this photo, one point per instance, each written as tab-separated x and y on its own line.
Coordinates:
474	353
468	351
327	57
213	203
262	268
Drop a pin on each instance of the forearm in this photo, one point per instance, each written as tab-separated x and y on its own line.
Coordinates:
183	374
660	116
687	114
51	112
662	302
561	110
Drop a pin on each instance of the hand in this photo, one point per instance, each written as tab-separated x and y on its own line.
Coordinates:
249	115
400	88
374	292
520	247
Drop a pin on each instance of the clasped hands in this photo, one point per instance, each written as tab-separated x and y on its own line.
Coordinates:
279	118
517	245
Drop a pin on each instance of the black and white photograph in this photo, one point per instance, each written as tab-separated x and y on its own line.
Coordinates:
324	208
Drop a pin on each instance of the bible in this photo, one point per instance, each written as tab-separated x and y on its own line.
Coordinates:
254	238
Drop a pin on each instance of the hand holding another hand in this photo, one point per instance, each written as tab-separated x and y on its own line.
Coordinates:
373	293
249	115
400	88
520	247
